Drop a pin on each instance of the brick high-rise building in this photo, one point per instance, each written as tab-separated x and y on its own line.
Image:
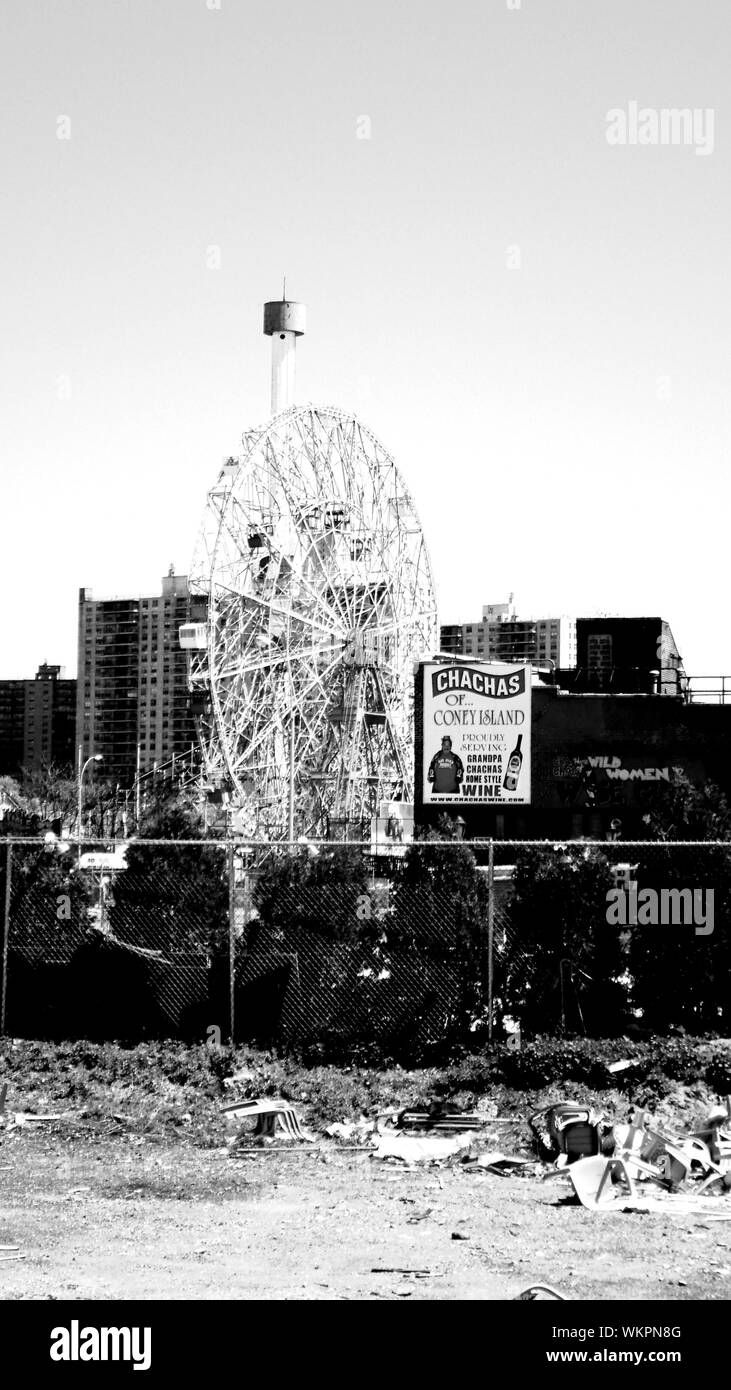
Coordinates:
37	719
132	681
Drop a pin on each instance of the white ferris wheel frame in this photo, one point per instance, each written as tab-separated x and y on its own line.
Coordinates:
320	600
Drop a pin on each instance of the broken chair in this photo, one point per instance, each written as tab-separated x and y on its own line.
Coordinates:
573	1131
269	1114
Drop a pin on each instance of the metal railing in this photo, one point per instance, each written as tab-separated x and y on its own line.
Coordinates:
709	690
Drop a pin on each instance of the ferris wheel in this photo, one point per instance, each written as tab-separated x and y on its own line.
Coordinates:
319	601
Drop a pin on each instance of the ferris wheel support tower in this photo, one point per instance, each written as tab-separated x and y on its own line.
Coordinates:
284	323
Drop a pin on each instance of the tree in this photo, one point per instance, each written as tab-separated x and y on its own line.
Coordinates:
680	976
686	811
313	944
50	791
171	897
324	893
48	923
17	816
563	964
48	899
439	919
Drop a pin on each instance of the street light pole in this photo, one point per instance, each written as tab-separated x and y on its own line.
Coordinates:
95	758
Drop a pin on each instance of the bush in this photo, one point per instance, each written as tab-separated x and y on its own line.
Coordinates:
551	1061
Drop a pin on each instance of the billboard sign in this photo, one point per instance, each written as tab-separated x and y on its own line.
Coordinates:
477	744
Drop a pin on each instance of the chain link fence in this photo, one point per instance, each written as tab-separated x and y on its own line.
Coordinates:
337	952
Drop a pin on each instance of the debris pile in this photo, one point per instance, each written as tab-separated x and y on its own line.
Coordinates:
639	1166
442	1116
443	1133
431	1148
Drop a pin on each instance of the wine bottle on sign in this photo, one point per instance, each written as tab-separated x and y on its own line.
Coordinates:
512	771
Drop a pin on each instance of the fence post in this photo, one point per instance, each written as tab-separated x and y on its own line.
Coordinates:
231	938
6	933
490	931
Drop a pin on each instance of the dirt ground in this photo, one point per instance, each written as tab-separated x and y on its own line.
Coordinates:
128	1218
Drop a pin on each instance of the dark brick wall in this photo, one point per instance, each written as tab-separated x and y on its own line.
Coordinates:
596	758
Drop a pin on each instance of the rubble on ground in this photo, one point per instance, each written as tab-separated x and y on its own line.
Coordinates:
644	1165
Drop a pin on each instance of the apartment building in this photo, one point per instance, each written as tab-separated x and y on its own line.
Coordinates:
132	700
502	636
37	719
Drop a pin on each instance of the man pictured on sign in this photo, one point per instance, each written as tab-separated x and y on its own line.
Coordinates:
445	770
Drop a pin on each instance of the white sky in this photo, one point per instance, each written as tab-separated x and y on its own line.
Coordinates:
527	409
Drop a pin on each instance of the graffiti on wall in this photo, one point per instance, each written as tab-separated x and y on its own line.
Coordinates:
605	779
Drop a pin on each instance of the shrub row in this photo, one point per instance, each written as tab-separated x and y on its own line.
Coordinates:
657	1064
